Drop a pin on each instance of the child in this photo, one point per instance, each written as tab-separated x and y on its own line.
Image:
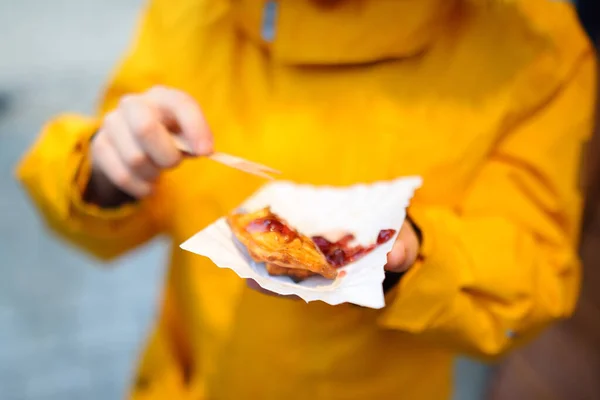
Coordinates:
489	101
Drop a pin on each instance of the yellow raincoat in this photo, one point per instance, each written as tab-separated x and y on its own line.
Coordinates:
490	101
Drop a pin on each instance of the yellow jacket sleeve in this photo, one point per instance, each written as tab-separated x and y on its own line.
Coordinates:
503	264
56	170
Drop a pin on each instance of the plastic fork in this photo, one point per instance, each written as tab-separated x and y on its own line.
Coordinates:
238	163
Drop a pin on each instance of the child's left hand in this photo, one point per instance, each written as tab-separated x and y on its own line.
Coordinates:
405	250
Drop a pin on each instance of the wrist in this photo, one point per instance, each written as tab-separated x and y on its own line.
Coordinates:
102	192
99	190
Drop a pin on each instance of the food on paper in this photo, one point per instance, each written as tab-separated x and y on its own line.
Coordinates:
286	252
269	239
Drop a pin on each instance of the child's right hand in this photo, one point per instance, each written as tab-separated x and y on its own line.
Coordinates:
136	142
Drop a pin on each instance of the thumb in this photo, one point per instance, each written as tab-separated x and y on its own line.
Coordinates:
397	257
180	109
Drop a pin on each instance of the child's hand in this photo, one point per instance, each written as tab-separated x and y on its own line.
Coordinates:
405	250
135	142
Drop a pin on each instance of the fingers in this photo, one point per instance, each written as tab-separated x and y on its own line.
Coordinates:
143	120
397	257
106	158
405	250
176	106
129	151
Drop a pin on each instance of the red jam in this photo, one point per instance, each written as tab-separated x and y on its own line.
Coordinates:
385	235
263	225
341	253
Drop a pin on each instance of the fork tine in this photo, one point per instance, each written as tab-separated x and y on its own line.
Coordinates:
252	171
229	159
241	164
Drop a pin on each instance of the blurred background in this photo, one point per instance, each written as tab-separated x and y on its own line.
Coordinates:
71	328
